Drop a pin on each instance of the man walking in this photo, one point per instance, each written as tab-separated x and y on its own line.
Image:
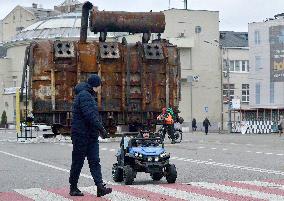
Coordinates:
86	128
281	125
194	127
206	124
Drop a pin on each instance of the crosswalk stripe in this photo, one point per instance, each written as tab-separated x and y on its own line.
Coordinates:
209	192
272	184
144	194
12	196
38	194
174	193
114	196
65	193
238	191
256	187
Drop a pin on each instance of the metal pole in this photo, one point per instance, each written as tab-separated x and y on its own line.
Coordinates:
185	4
222	101
190	88
26	113
229	96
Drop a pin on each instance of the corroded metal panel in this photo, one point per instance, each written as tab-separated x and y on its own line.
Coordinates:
134	85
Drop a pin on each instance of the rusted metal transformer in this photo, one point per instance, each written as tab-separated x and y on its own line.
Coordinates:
138	80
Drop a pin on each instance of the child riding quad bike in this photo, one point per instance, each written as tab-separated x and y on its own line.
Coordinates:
142	154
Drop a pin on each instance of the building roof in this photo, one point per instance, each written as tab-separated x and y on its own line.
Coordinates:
233	39
70	2
57	27
41	13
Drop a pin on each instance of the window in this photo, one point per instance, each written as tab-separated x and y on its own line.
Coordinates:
257	63
256	38
19	28
227	91
257	93
232	66
198	29
247	66
239	66
245	93
271	92
243	66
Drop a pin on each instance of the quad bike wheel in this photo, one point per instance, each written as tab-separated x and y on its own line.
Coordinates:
128	175
157	176
171	173
117	173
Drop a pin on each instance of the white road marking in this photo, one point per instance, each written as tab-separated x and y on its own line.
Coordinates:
38	194
213	163
104	149
181	159
48	165
112	150
224	149
174	193
258	152
280	154
201	147
238	191
114	196
248	151
213	148
269	153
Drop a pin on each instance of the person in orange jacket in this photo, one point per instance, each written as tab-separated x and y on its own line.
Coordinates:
168	123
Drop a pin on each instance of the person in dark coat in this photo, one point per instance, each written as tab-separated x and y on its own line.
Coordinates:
206	124
194	127
86	128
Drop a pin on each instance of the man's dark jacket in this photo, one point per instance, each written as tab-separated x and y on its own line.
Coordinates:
86	122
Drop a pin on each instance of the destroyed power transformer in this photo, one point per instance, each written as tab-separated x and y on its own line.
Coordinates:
138	80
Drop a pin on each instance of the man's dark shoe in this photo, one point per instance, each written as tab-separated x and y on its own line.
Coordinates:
103	190
74	191
173	142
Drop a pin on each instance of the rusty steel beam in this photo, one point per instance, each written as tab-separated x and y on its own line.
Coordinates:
132	22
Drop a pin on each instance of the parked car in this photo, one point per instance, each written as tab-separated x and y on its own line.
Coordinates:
41	127
37	127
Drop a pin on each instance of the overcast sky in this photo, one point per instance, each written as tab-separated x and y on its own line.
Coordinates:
234	14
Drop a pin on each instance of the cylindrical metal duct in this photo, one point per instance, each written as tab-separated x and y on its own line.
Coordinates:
84	21
117	21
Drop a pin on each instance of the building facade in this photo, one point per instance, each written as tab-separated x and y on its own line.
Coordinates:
266	60
235	82
21	17
191	30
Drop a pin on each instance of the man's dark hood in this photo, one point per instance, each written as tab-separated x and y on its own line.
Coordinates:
83	86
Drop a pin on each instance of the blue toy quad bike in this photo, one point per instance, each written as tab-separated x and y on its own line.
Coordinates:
142	155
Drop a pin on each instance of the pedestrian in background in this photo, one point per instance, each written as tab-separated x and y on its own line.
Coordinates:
281	125
219	127
86	128
206	124
194	127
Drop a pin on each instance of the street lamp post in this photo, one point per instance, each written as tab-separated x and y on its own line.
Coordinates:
190	80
